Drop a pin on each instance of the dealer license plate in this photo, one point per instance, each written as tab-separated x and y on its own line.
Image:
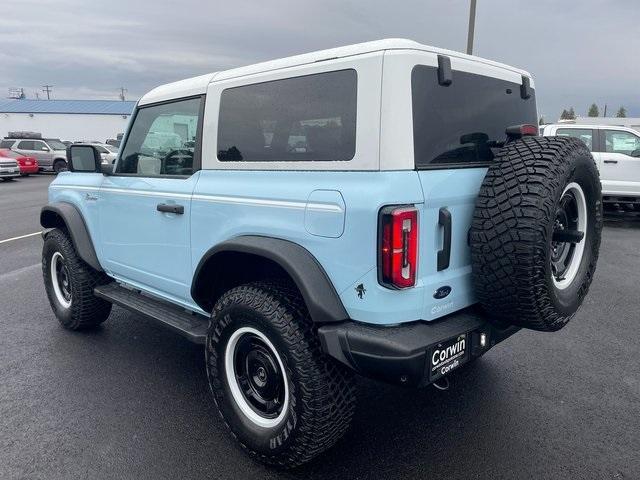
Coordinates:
448	356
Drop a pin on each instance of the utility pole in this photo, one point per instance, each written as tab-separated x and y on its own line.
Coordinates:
122	92
605	110
47	90
472	27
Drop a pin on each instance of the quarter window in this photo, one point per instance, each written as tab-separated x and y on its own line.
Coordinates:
162	140
6	143
581	133
309	118
618	141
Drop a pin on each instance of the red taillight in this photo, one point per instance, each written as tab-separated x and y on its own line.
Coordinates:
530	130
398	246
519	131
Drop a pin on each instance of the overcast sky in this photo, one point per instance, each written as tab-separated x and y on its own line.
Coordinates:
579	51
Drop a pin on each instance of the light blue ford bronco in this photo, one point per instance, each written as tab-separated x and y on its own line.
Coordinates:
385	208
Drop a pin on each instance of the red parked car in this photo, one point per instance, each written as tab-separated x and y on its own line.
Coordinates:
27	165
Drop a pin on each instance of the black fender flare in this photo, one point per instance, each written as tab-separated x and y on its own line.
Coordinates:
319	294
63	214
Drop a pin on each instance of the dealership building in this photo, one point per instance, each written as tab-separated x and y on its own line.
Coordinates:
89	120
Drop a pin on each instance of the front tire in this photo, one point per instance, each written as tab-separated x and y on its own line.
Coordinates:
59	166
69	283
279	395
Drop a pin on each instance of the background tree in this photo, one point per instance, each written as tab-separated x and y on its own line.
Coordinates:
622	112
568	114
593	111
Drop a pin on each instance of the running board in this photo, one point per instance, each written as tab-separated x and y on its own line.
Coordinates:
191	326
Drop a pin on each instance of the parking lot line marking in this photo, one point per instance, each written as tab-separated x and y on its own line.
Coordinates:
21	236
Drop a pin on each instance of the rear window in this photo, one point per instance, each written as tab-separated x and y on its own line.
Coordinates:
309	118
460	123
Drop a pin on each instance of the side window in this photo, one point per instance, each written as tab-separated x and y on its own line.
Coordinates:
308	118
6	143
26	145
617	141
163	139
582	133
39	146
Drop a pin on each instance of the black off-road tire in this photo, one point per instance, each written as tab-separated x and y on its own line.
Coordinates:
321	392
59	166
513	224
86	310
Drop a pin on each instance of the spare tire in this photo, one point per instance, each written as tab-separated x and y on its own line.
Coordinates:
535	234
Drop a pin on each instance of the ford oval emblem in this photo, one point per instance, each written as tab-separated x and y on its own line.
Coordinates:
442	292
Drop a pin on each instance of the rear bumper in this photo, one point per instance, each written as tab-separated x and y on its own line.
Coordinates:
29	169
402	354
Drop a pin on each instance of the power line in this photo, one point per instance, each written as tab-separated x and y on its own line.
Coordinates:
47	90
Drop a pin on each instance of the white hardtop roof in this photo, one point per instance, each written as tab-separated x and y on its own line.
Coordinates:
589	125
198	85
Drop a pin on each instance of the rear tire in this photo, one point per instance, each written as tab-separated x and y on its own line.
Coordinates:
262	340
69	283
537	186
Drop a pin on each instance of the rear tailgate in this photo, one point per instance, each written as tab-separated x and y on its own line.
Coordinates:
452	192
457	128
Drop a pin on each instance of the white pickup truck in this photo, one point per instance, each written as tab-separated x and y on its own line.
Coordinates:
616	151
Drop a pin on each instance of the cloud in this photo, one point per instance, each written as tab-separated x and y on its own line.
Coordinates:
579	51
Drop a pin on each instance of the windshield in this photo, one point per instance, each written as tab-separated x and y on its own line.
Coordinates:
461	123
56	144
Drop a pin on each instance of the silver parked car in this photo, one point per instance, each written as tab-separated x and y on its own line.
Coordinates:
51	153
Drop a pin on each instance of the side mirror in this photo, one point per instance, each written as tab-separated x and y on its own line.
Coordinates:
83	158
106	168
45	149
636	153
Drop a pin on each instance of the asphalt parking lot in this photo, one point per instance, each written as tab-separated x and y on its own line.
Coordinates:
130	400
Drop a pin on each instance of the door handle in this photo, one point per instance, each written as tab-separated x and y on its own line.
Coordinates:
444	255
89	196
170	208
611	161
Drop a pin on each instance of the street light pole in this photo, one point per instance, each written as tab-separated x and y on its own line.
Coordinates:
472	26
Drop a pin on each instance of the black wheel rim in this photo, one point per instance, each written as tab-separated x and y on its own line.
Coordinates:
259	376
566	219
62	277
